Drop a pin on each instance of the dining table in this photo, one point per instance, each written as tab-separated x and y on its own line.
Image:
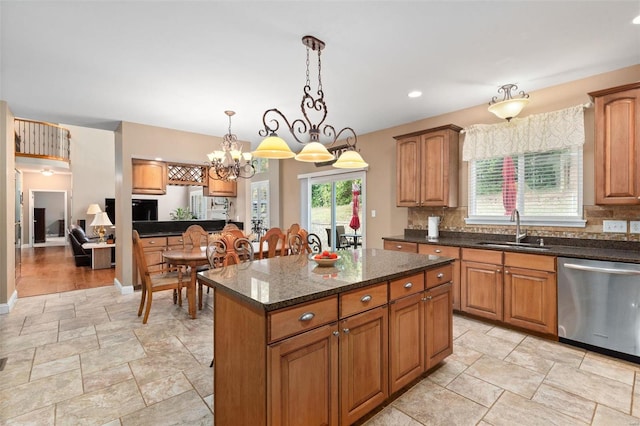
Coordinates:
191	258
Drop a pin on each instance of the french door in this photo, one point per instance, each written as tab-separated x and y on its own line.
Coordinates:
335	206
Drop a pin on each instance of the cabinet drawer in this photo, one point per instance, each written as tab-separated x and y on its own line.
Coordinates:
445	251
406	286
362	299
401	246
530	261
482	256
298	319
175	241
440	275
154	242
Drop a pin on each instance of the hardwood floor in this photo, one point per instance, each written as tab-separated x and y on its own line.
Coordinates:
47	270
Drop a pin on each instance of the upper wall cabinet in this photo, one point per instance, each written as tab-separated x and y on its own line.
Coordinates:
427	167
617	144
219	188
148	177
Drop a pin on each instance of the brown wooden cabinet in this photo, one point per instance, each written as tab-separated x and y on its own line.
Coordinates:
406	331
617	145
427	167
364	376
148	177
438	324
530	292
481	283
447	251
303	372
219	188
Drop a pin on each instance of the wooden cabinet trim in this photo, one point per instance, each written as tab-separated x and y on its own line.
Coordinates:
483	256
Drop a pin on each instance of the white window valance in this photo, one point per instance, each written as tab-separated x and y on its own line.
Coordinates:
535	133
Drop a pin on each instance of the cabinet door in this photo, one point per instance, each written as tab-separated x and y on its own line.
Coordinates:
406	334
401	246
220	188
438	328
303	378
434	164
407	172
364	359
617	146
148	177
481	289
530	300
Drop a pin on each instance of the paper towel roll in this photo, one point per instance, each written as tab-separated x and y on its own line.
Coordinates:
433	227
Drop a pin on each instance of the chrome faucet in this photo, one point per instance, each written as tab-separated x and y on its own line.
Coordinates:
515	216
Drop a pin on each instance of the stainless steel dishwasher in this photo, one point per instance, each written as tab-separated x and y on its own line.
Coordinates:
599	305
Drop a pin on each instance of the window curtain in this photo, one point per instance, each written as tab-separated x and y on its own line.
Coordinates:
535	133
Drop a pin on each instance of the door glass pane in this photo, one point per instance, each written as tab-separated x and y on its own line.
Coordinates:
335	214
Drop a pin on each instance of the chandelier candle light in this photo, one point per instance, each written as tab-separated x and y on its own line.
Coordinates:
508	107
307	133
230	163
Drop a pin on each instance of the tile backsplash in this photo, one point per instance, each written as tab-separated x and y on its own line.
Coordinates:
452	219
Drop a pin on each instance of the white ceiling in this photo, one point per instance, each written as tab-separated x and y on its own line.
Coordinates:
179	64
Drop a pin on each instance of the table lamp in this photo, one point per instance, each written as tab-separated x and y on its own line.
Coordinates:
101	219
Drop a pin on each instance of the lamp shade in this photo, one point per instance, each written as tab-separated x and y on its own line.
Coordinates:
314	152
509	108
101	219
273	147
93	209
350	160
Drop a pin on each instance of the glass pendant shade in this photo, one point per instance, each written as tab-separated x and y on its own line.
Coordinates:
509	108
273	147
350	160
314	152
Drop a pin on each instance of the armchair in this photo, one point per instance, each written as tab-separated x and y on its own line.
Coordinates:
77	238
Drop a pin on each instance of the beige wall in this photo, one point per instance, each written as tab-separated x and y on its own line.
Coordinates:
134	140
378	149
7	210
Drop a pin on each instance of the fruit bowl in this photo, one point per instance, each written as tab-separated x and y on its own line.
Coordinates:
324	261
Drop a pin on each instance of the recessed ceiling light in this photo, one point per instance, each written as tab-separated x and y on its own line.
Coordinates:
636	20
47	172
415	94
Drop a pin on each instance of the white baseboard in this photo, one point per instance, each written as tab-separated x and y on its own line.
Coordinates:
124	289
5	308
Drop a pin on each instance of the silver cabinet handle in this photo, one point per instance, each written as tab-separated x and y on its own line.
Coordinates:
335	333
398	246
506	272
429	297
424	299
408	285
307	316
498	270
152	242
366	298
345	330
604	270
440	275
438	251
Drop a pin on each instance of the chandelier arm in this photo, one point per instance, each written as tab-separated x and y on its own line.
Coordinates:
297	125
351	139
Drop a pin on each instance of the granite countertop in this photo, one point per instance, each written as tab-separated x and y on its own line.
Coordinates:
283	281
614	251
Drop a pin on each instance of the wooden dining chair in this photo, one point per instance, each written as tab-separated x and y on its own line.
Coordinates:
194	236
269	243
296	244
160	279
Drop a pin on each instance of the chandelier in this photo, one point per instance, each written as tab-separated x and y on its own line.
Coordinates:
307	133
230	163
508	107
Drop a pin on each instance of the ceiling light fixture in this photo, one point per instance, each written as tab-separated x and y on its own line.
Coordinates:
508	107
47	172
314	151
636	20
230	163
415	94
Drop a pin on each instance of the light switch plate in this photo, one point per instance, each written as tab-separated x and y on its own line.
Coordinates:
614	226
634	227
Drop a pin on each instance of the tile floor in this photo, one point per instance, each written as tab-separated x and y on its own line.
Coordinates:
84	357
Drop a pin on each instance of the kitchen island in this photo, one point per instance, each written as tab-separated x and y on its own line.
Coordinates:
295	343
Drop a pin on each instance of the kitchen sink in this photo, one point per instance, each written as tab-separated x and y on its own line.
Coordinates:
513	245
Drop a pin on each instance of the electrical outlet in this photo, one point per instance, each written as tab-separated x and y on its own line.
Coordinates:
614	226
634	226
373	213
